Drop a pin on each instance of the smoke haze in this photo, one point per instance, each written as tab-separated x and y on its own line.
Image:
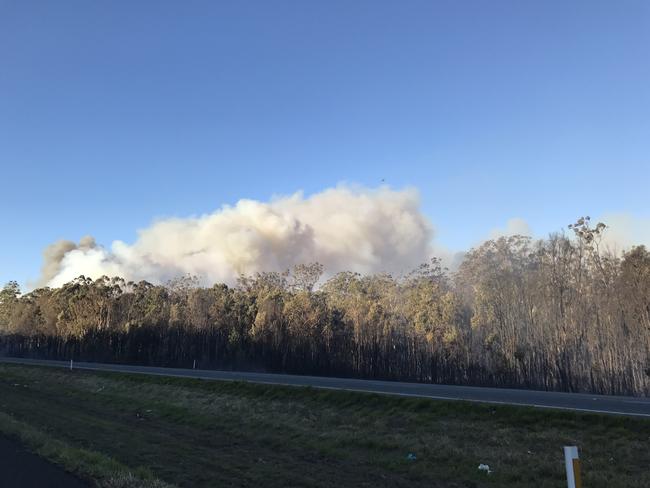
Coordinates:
624	231
514	226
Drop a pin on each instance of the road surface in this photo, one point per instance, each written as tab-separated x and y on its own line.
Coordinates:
618	405
22	469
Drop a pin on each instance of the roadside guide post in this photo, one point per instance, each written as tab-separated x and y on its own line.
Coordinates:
572	464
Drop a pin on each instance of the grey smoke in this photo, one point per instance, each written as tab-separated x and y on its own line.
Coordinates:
54	254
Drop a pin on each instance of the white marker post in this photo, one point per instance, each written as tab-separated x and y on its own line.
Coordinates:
194	365
71	365
572	464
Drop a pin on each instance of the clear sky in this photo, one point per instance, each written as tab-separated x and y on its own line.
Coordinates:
115	113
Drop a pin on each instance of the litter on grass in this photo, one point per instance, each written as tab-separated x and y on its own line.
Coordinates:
484	467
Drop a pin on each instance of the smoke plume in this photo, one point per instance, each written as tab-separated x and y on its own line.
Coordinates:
344	228
54	254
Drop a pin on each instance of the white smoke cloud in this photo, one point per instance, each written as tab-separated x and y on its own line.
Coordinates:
344	228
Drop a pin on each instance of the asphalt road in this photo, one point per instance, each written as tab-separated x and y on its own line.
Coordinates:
22	469
618	405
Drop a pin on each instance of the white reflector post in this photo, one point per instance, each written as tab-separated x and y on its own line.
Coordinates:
572	463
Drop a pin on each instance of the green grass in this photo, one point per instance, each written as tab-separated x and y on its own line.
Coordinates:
138	430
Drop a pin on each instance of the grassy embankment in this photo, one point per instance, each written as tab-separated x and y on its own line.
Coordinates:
123	430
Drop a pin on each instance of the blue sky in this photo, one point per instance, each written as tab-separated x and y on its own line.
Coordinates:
113	114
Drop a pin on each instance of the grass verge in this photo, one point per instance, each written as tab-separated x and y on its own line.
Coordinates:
193	433
93	466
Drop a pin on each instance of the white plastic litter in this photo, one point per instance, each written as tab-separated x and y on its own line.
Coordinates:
484	467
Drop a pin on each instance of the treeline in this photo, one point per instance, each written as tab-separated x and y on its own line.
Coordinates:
555	314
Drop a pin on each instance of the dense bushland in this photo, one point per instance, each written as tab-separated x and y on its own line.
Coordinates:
557	313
